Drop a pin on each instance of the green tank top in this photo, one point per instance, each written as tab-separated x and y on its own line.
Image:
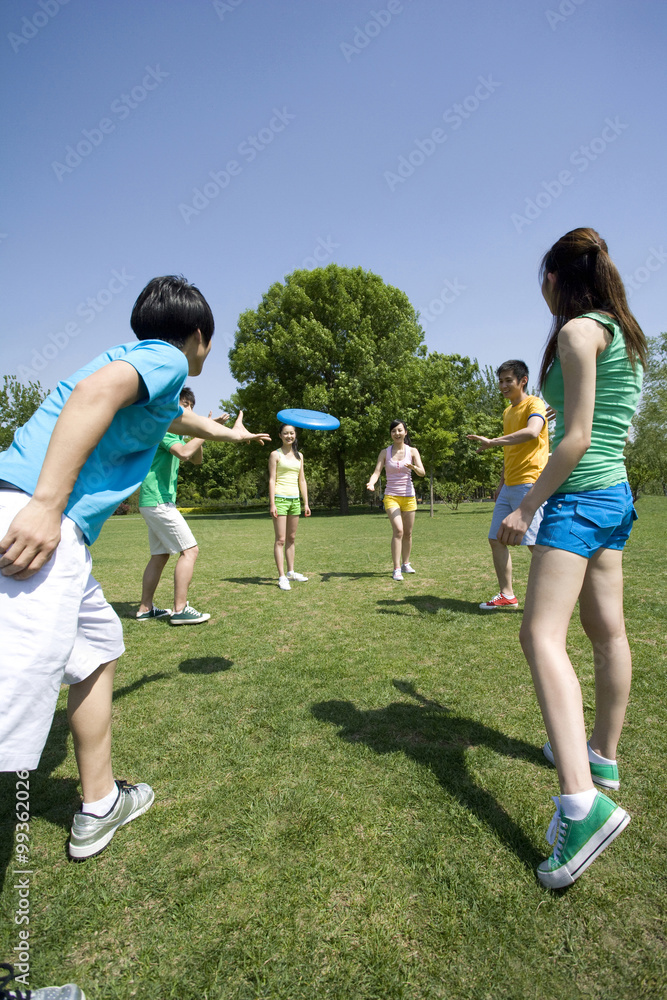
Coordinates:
617	389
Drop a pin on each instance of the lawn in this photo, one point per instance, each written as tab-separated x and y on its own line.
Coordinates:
351	797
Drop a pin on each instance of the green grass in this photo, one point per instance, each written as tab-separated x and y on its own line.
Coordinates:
350	793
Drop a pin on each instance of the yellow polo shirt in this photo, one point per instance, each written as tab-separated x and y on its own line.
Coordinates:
524	462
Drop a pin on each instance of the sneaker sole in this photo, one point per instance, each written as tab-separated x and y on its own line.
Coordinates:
502	607
597	780
568	874
91	851
191	621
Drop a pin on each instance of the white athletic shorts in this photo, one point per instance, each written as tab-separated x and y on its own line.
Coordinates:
55	628
168	531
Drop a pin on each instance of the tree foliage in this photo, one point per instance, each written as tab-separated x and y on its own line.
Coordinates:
646	454
17	404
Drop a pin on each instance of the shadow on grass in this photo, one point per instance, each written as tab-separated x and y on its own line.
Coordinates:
428	733
427	604
325	577
52	799
205	665
252	581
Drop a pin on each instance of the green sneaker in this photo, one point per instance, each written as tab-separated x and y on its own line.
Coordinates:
68	992
604	775
188	616
91	834
146	616
577	843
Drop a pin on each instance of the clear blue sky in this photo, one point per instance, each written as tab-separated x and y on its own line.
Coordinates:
318	103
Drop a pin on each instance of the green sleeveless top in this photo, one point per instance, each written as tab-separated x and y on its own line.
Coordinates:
617	389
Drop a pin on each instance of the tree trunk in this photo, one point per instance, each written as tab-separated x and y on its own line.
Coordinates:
431	489
342	492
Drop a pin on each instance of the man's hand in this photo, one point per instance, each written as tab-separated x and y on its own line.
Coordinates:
245	435
222	419
483	441
32	538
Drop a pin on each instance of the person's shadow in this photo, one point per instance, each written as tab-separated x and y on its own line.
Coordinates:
435	738
52	798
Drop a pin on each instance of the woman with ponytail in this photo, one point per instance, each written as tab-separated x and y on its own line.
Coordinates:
591	375
286	480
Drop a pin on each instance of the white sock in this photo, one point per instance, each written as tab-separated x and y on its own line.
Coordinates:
102	806
579	805
596	758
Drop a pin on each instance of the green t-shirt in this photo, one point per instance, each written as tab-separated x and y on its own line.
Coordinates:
617	389
159	486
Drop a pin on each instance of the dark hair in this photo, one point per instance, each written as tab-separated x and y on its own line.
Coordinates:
295	443
171	309
517	368
587	281
395	423
188	395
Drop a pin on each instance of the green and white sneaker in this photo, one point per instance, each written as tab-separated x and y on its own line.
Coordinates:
155	612
604	775
91	834
577	843
68	992
188	616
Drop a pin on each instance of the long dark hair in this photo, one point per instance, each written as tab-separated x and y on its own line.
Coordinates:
587	281
295	443
395	423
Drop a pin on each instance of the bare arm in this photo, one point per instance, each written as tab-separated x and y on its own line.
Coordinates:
303	489
273	466
34	534
195	425
579	343
191	451
535	424
416	464
377	472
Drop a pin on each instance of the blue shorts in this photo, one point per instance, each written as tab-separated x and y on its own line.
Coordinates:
585	522
509	499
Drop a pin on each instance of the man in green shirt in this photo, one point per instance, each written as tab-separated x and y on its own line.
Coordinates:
168	531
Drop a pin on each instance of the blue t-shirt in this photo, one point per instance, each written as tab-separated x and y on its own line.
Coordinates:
121	460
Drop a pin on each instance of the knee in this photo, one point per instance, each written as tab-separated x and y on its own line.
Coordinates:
280	542
191	553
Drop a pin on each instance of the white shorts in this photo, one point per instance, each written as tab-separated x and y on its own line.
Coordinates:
56	628
168	531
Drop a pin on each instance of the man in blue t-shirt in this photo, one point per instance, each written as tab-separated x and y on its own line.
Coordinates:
87	448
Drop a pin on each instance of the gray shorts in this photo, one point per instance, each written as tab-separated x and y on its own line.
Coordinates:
509	499
168	531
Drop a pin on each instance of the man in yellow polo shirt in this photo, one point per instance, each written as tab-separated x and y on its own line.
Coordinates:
525	444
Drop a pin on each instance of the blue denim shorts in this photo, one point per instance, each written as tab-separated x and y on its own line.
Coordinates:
585	522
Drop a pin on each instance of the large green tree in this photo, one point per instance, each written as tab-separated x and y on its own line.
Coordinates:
647	451
336	339
18	402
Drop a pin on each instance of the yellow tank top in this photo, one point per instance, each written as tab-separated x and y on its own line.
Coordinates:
287	474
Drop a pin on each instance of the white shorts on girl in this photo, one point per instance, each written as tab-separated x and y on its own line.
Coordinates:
55	628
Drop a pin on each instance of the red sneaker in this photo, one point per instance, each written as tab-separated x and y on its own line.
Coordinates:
501	603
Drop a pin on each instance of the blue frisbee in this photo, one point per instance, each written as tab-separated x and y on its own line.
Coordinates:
312	420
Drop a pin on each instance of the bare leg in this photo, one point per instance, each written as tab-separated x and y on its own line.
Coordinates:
290	536
185	566
152	575
601	613
397	536
89	716
555	580
280	529
408	524
502	563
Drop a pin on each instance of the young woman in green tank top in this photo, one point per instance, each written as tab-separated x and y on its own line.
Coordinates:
286	481
591	375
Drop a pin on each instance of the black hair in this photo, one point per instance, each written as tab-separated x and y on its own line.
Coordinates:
295	442
517	368
188	395
395	423
171	309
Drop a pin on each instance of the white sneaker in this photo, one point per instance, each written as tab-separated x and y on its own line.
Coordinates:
407	568
283	583
299	577
397	575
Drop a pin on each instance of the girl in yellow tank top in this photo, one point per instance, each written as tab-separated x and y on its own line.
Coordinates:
286	480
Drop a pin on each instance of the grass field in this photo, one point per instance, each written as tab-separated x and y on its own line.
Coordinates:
351	797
